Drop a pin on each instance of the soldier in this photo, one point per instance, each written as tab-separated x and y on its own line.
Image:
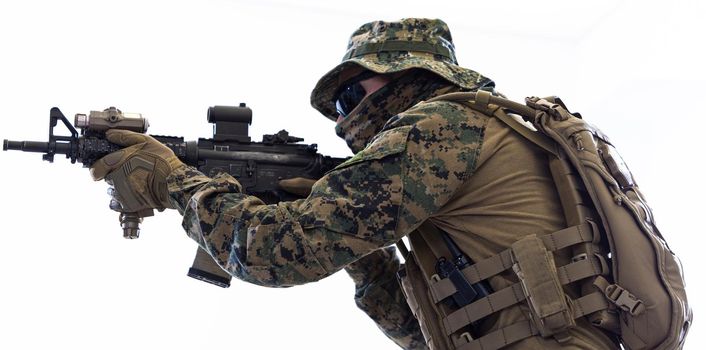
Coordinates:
416	163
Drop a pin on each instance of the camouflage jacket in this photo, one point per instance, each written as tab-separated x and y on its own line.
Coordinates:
466	172
405	174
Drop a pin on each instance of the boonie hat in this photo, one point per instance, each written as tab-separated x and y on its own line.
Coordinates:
389	47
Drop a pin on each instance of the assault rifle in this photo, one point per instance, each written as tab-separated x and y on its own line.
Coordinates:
258	166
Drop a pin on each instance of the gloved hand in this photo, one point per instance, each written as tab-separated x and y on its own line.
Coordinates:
138	172
300	186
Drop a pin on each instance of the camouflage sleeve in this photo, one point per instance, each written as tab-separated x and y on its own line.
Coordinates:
379	295
404	175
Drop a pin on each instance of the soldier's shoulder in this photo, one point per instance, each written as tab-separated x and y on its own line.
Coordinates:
438	114
440	120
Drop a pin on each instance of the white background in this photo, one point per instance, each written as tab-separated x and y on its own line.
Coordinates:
69	280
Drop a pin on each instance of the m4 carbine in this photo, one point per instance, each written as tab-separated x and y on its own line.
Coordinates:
258	166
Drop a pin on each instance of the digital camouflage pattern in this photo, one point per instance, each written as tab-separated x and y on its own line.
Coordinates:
407	172
389	47
379	195
369	117
378	294
366	203
414	161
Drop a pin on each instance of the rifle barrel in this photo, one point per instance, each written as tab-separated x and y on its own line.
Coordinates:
26	146
37	146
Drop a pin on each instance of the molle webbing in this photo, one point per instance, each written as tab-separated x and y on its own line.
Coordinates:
441	289
496	264
453	322
502	337
525	329
428	314
509	296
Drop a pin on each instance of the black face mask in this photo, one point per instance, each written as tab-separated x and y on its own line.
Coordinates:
351	93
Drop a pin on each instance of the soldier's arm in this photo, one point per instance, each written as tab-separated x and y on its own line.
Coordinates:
381	194
379	295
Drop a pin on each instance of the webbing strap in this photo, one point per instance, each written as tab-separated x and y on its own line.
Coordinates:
589	304
502	337
496	264
525	329
425	257
570	236
531	135
402	248
483	307
442	289
512	295
483	100
400	45
528	113
590	266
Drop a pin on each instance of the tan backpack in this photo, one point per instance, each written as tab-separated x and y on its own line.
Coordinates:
635	290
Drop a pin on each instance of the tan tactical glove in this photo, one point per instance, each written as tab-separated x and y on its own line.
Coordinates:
138	172
299	185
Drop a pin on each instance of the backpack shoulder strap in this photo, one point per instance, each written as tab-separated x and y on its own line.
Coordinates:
481	99
538	139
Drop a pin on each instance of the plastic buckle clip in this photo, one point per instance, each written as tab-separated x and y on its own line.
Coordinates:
555	110
624	299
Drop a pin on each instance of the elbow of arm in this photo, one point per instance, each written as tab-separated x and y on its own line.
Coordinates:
279	276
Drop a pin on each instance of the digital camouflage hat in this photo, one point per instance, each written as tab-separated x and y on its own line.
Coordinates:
389	47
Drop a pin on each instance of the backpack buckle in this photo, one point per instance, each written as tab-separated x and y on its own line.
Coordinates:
554	109
624	299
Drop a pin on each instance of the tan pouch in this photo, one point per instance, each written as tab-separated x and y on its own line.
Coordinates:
534	266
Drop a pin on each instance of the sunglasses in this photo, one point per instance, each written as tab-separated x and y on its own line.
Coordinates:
351	93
